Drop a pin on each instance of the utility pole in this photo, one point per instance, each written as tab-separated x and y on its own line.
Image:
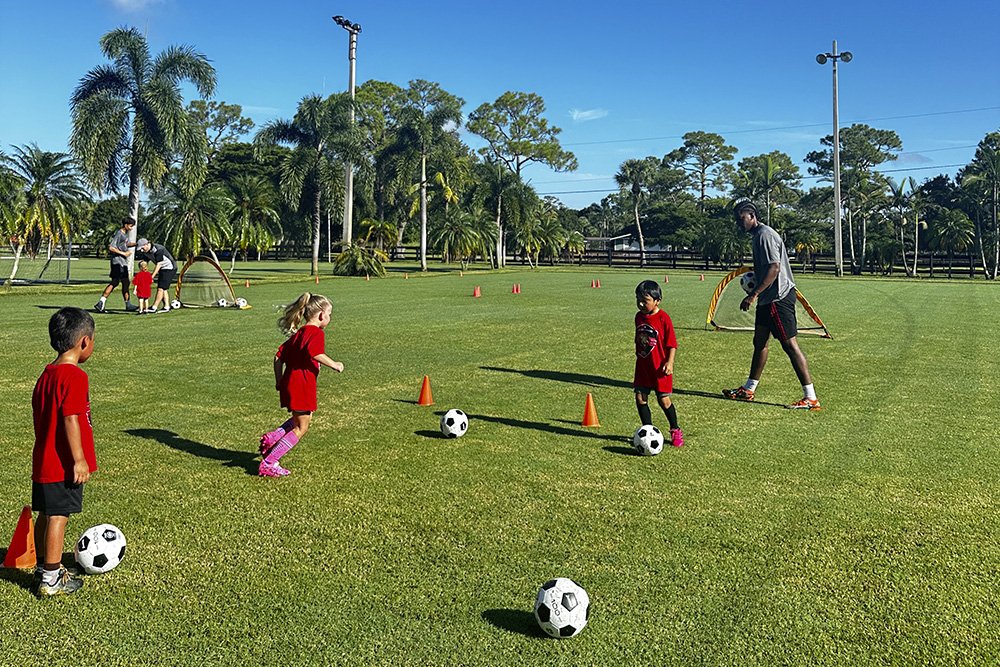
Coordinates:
838	243
353	29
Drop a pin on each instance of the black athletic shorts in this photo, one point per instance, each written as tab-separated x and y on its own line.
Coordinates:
165	277
119	274
57	498
779	317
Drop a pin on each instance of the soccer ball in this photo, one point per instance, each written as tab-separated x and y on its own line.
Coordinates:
562	608
223	303
748	281
100	549
175	304
454	423
241	302
648	441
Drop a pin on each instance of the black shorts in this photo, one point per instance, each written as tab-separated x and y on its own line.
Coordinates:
119	274
778	317
165	277
57	498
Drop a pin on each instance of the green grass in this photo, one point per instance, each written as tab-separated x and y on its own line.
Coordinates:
863	534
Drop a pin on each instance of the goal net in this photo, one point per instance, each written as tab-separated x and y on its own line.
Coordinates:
724	312
203	283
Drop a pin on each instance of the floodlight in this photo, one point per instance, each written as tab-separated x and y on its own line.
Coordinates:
821	58
846	56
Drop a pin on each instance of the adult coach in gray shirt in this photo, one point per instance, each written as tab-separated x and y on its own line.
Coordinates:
119	266
164	270
775	316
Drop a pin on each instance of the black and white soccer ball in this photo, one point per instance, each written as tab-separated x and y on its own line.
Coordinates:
100	549
241	302
454	423
748	281
175	303
562	608
648	440
222	303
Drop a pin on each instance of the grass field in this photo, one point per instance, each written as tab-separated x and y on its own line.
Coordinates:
863	534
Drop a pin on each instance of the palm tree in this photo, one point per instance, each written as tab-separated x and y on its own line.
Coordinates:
576	244
952	230
904	203
497	188
253	220
129	117
321	136
430	112
379	233
634	177
771	176
187	217
43	197
984	171
456	237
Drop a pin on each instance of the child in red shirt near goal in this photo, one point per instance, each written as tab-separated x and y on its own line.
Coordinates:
63	457
296	367
143	282
655	345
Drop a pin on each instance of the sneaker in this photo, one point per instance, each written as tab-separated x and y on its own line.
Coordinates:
130	307
151	310
269	470
676	437
99	306
804	404
738	394
166	309
65	584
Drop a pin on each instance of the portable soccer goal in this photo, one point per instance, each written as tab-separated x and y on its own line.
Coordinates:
202	283
724	312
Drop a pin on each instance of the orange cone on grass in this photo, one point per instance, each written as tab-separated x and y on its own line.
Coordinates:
666	279
247	283
21	553
593	283
476	292
425	393
590	412
598	283
702	279
317	279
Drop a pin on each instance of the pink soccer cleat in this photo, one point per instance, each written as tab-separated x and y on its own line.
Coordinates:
268	439
269	470
676	437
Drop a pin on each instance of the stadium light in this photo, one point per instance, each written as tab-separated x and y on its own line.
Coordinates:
838	243
353	29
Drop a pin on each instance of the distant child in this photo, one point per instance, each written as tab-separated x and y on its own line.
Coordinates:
143	282
296	367
655	345
63	458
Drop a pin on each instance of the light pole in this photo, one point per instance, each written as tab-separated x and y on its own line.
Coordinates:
353	29
838	242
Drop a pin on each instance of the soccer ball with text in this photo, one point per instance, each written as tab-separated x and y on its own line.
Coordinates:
562	608
647	440
100	549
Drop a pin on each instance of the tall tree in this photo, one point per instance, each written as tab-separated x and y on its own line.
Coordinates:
634	177
222	123
517	134
703	156
320	135
771	177
253	219
429	113
983	173
187	216
129	117
45	196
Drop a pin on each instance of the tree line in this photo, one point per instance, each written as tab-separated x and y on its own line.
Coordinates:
213	182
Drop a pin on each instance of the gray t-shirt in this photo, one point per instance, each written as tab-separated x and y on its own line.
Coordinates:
119	241
768	248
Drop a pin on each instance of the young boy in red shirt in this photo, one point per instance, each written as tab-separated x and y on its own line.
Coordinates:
63	458
143	282
655	345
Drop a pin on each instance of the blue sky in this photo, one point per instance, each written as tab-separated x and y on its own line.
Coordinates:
623	79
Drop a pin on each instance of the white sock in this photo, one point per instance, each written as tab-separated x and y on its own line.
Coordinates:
103	299
50	577
809	391
751	384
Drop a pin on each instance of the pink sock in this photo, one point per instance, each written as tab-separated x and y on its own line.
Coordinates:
276	435
281	448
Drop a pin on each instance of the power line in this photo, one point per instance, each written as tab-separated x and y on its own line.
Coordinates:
790	127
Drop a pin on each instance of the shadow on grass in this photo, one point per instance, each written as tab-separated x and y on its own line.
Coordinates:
109	311
624	451
437	435
560	376
21	578
231	458
719	397
514	620
542	426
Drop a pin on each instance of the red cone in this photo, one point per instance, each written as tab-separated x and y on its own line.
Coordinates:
21	553
425	393
590	412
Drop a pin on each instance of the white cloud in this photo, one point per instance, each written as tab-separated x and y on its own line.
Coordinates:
583	115
134	5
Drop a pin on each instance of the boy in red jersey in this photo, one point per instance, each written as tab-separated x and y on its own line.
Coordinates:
143	282
655	345
63	457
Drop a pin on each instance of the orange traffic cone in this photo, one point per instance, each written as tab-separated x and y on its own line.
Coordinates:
598	283
317	279
476	292
702	279
425	393
590	412
666	279
367	279
593	283
513	288
247	283
406	276
518	285
21	553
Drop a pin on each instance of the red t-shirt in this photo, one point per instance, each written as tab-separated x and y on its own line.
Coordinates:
61	391
143	282
297	388
653	335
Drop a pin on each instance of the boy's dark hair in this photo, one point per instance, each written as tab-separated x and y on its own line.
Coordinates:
68	326
127	220
648	288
